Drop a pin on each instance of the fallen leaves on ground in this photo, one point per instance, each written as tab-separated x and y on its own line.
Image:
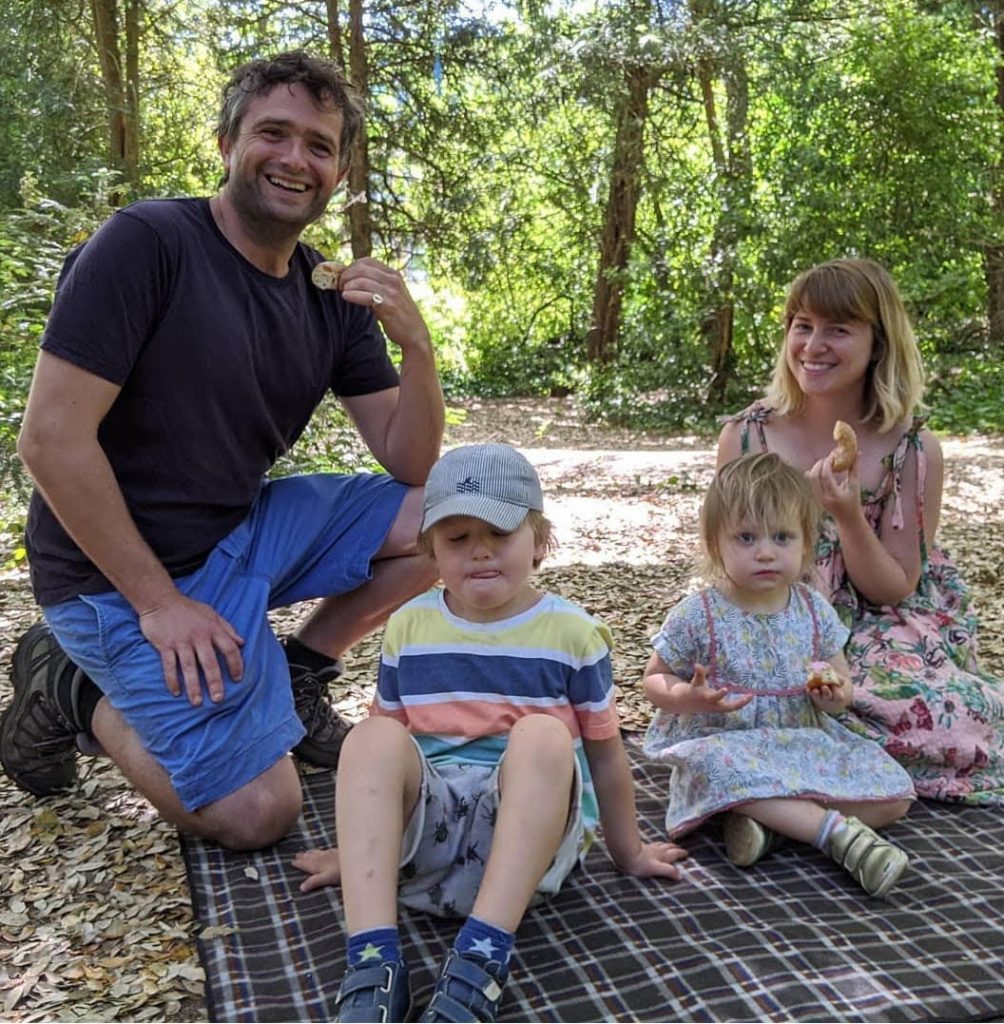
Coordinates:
95	915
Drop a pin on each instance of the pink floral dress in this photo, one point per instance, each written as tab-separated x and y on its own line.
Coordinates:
918	687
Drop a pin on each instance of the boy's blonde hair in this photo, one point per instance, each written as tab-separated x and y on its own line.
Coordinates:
760	488
543	533
862	290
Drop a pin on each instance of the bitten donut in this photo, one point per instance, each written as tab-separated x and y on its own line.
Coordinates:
821	674
326	274
846	450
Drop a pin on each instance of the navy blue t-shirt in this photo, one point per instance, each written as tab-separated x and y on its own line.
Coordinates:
221	367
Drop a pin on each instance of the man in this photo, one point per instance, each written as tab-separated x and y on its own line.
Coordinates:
186	350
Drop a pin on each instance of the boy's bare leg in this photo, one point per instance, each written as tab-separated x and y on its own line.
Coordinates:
379	782
256	815
535	784
399	574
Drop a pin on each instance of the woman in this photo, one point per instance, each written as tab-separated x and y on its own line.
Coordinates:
850	354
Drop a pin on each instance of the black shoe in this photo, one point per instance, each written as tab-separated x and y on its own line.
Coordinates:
467	990
38	747
326	729
379	992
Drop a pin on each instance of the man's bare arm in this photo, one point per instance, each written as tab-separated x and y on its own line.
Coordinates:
59	446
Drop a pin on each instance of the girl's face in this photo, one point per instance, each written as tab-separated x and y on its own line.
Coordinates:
827	356
762	564
486	572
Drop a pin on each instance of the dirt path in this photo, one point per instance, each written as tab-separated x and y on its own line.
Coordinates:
98	923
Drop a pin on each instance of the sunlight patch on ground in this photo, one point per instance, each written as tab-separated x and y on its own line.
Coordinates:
974	474
638	508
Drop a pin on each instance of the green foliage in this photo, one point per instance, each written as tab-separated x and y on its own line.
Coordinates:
34	240
871	128
965	393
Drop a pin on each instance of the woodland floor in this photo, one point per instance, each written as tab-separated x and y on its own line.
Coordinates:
95	918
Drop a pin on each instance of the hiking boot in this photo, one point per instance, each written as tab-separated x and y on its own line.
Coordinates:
326	729
875	863
379	992
465	991
746	840
38	746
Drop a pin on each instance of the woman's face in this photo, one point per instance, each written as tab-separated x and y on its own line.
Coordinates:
828	356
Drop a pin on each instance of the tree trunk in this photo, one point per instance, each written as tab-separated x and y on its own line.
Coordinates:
131	136
733	174
993	253
335	47
121	92
360	221
106	35
619	221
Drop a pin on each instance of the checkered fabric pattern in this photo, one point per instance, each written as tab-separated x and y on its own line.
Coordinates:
793	938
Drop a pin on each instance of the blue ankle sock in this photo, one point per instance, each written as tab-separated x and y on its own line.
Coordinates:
832	821
479	940
374	946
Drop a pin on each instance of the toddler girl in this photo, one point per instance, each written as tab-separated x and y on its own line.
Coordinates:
747	675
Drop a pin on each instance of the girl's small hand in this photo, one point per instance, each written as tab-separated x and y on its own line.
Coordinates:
321	866
832	699
696	697
655	860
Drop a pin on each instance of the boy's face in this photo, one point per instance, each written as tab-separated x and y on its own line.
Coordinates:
486	571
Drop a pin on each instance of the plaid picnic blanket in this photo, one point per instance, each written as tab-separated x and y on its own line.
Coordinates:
793	938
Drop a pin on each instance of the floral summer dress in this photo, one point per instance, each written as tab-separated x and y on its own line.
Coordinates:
918	688
778	745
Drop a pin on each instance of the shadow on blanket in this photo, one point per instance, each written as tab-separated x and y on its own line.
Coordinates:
791	939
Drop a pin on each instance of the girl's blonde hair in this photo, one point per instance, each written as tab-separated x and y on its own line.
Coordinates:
759	488
862	290
543	533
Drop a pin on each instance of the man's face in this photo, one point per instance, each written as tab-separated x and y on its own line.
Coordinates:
284	163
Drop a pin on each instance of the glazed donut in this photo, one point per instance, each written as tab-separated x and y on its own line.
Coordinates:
845	452
327	274
821	674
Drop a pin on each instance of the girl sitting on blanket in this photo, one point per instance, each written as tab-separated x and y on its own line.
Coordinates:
746	677
850	354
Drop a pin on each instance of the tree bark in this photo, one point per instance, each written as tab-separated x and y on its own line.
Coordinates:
360	220
993	252
619	220
121	90
733	172
131	114
335	46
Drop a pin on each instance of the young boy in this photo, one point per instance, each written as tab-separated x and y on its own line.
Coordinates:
472	789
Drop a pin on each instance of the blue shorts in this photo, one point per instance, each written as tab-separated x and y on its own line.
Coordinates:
305	537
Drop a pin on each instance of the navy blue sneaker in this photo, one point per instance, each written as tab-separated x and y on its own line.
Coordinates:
466	991
374	993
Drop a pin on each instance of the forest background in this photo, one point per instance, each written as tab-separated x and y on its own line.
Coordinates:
598	206
598	199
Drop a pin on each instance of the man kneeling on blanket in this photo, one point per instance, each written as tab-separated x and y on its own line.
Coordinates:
492	749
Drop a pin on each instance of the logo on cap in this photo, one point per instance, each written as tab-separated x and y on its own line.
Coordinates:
468	486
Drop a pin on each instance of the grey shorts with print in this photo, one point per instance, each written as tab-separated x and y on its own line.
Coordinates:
449	835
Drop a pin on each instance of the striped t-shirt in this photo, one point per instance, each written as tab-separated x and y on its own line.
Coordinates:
460	686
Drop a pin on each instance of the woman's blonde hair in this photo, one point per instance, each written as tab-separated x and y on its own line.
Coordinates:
543	533
758	488
862	290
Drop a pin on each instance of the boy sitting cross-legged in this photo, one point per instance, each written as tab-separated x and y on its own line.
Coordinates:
492	748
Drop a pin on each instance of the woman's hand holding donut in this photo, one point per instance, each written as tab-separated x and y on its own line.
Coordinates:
835	478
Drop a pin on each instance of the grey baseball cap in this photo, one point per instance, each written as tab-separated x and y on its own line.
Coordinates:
493	482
